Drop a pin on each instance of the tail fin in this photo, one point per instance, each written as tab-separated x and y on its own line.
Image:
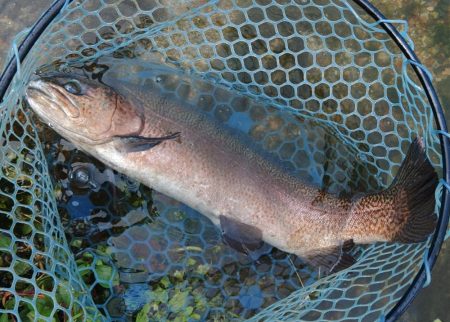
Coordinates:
413	196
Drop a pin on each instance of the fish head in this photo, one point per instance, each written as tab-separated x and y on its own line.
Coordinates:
83	110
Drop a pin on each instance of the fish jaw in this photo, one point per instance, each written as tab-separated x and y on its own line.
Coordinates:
41	99
49	111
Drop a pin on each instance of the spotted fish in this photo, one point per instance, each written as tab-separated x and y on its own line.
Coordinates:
184	153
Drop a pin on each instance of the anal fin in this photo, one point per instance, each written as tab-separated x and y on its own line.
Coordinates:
242	237
332	259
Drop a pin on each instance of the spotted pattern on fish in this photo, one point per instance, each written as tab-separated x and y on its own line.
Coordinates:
222	175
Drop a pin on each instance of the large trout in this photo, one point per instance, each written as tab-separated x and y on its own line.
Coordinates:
187	155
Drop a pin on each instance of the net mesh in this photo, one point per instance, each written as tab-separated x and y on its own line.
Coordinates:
317	84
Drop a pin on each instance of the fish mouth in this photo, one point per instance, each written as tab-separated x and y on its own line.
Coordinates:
33	87
37	98
45	103
53	96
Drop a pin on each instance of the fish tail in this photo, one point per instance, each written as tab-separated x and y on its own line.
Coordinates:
402	213
412	196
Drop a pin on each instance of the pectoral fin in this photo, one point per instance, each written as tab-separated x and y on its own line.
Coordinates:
332	259
242	237
142	143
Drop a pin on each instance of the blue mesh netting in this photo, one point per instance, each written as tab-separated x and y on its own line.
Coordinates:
316	84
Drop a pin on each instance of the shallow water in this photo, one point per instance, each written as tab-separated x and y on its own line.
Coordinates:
428	44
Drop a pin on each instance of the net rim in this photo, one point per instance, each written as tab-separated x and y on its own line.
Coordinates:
438	237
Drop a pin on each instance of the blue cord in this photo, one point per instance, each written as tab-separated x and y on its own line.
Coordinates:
16	54
15	49
382	318
408	79
66	3
422	67
435	132
392	21
427	269
373	25
403	33
442	182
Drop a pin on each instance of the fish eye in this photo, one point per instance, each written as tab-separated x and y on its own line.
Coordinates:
73	87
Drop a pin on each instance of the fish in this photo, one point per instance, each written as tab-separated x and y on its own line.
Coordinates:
153	138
